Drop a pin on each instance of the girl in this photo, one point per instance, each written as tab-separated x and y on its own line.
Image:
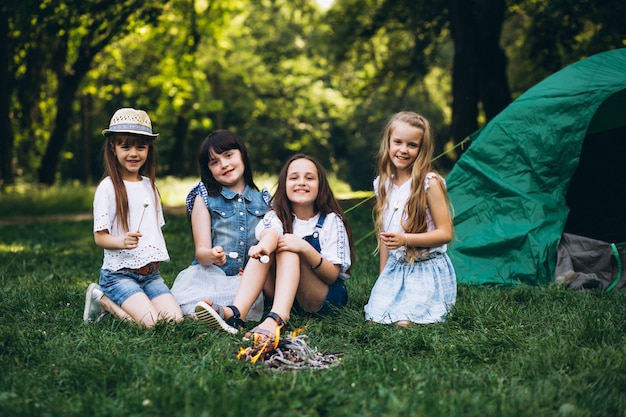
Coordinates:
127	224
417	283
307	238
224	209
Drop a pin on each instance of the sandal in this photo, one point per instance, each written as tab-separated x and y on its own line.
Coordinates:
260	335
214	317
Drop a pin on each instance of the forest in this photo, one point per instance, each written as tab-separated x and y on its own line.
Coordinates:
286	75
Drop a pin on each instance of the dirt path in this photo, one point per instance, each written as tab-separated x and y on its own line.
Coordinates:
169	211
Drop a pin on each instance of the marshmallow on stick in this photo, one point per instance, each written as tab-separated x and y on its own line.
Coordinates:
146	203
263	259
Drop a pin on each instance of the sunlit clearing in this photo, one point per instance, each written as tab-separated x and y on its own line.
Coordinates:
325	4
12	248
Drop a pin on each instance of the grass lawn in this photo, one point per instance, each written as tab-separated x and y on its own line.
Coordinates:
522	351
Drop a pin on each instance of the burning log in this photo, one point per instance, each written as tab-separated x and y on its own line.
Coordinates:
288	353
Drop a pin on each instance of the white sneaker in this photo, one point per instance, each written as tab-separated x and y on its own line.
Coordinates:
93	309
207	315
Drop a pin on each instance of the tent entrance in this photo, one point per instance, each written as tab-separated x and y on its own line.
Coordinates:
596	196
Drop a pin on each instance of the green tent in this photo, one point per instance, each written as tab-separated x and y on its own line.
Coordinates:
523	175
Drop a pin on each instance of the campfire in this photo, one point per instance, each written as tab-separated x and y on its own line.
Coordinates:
287	352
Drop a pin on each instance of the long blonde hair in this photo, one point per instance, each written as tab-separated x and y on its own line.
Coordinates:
414	212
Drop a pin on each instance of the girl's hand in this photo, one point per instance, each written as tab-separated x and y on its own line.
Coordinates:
257	251
218	257
392	240
292	243
131	240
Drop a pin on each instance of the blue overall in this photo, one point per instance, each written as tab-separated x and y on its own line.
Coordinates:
337	292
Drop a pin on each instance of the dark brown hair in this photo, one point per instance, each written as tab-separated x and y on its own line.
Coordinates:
219	142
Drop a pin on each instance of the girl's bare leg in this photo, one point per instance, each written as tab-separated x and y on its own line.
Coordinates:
168	307
141	310
294	278
312	291
251	285
113	308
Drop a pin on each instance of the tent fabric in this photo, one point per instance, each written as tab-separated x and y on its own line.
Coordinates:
508	189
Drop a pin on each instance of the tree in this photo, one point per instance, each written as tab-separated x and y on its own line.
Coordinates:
479	68
479	63
49	48
556	33
18	35
82	29
383	51
6	134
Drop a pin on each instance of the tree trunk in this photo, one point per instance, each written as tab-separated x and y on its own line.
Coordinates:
6	132
491	61
464	71
86	137
68	85
176	158
479	66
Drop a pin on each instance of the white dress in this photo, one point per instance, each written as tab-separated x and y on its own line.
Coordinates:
198	282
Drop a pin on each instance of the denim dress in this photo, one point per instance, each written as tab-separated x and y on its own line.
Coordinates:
422	291
233	220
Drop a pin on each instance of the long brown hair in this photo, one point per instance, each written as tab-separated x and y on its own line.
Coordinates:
324	203
112	169
415	207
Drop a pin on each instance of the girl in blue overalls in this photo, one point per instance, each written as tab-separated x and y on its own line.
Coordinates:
224	208
309	242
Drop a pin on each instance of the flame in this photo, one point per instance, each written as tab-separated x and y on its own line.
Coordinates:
299	330
242	352
261	346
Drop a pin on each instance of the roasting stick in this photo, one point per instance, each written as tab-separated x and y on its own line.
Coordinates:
146	203
263	259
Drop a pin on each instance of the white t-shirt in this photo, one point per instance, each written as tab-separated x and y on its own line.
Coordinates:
333	236
151	245
393	213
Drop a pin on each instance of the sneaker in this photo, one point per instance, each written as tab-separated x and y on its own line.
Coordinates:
93	309
207	315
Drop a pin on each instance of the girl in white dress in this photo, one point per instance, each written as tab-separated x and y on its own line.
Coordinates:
417	282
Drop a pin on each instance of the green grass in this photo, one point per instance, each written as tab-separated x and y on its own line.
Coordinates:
523	351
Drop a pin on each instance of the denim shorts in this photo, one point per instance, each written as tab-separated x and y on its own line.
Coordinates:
120	285
337	297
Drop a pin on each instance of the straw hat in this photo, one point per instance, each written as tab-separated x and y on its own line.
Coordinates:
133	121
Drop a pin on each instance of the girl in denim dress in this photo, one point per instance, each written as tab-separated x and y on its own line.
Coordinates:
417	282
307	240
224	209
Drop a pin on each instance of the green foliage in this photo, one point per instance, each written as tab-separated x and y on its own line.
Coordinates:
285	75
547	35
